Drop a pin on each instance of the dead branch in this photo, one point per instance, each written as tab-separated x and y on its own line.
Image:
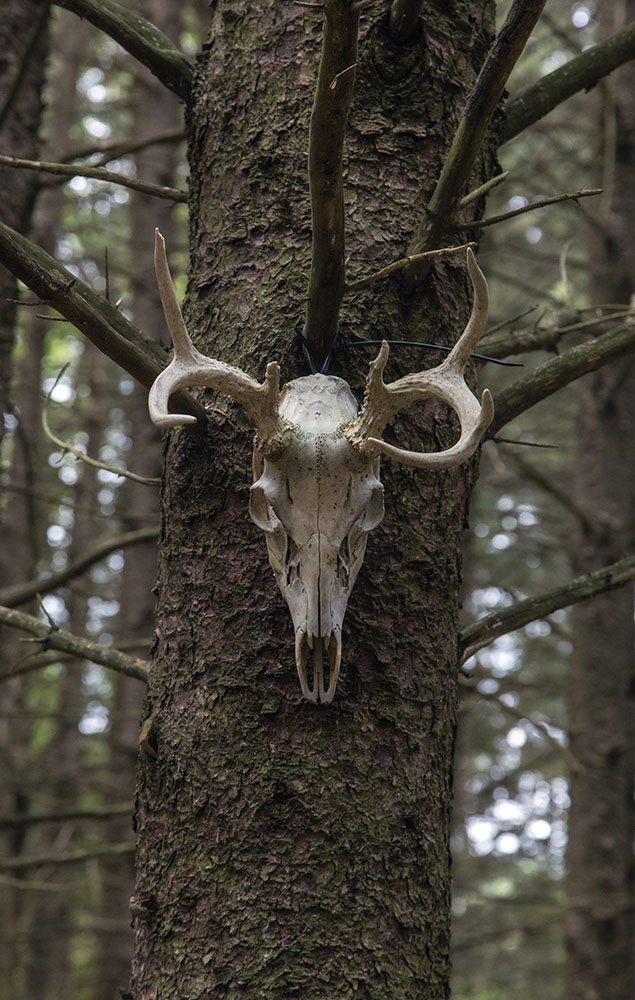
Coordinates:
554	374
140	38
474	122
12	597
355	286
93	315
333	94
97	173
95	463
52	637
581	73
484	632
495	219
544	338
73	857
97	812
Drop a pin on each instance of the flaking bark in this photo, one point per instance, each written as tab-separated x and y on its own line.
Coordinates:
284	849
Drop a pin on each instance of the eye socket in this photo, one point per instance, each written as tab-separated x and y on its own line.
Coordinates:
260	510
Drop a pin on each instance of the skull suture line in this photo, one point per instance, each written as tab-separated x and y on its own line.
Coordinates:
317	492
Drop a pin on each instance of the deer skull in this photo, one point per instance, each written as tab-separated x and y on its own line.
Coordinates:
317	492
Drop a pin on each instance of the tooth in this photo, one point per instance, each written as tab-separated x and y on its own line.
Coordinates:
335	655
301	658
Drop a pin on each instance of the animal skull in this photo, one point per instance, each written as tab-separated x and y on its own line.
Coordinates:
317	492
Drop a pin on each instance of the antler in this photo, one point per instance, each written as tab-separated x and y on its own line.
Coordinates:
190	367
445	382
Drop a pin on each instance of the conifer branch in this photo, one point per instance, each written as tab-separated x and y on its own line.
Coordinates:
333	94
90	313
52	637
12	597
97	173
554	374
72	858
97	812
140	38
581	73
505	216
484	632
477	114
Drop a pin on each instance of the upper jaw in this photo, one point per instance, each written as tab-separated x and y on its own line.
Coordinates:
315	650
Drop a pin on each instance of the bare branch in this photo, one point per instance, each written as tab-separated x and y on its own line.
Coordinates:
111	149
85	649
82	456
73	857
93	315
553	375
543	338
581	73
355	286
495	219
483	189
140	38
485	631
97	812
12	597
479	108
98	173
326	142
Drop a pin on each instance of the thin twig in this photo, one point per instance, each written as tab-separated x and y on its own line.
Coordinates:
96	464
483	189
12	597
495	219
355	286
73	857
474	122
97	173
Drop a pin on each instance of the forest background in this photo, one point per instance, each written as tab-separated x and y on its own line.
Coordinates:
79	541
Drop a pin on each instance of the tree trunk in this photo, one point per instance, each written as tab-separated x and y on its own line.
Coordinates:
23	43
139	503
600	883
285	848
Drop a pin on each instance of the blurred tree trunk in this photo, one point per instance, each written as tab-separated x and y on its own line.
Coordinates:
154	110
285	848
600	883
49	971
23	47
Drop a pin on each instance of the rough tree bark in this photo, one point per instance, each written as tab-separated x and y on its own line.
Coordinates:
288	849
152	108
600	885
23	44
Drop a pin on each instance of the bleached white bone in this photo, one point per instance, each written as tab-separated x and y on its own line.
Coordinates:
317	492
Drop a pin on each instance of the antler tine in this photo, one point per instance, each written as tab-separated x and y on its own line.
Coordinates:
189	367
445	382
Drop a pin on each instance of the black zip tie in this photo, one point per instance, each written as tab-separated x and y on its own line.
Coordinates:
329	357
416	343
